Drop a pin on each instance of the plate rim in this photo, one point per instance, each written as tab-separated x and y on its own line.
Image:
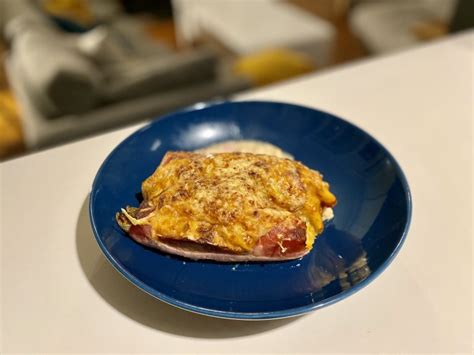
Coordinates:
280	314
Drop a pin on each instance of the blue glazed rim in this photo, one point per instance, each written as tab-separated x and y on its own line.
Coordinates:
287	313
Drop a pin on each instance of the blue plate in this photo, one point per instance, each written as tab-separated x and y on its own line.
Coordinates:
371	218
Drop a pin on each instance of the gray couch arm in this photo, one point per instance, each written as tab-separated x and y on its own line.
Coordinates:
144	76
41	132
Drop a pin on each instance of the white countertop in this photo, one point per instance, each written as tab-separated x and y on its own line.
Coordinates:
59	294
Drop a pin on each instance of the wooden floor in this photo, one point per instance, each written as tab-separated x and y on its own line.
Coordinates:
347	48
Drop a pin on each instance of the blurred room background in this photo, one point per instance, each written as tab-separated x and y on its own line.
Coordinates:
72	68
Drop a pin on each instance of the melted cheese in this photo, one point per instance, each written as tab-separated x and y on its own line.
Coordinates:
231	199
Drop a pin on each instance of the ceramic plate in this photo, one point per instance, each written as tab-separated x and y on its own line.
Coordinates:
371	218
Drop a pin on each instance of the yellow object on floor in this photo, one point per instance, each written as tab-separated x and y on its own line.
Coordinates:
11	137
429	30
273	65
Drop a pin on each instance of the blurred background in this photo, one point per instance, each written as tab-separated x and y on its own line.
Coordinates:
72	68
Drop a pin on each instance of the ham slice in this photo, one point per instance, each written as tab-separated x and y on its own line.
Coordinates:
198	251
280	243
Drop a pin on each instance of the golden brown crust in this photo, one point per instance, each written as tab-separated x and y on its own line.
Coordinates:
231	200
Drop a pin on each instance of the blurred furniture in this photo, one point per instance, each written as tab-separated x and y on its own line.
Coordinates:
347	46
247	27
81	304
385	25
70	85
